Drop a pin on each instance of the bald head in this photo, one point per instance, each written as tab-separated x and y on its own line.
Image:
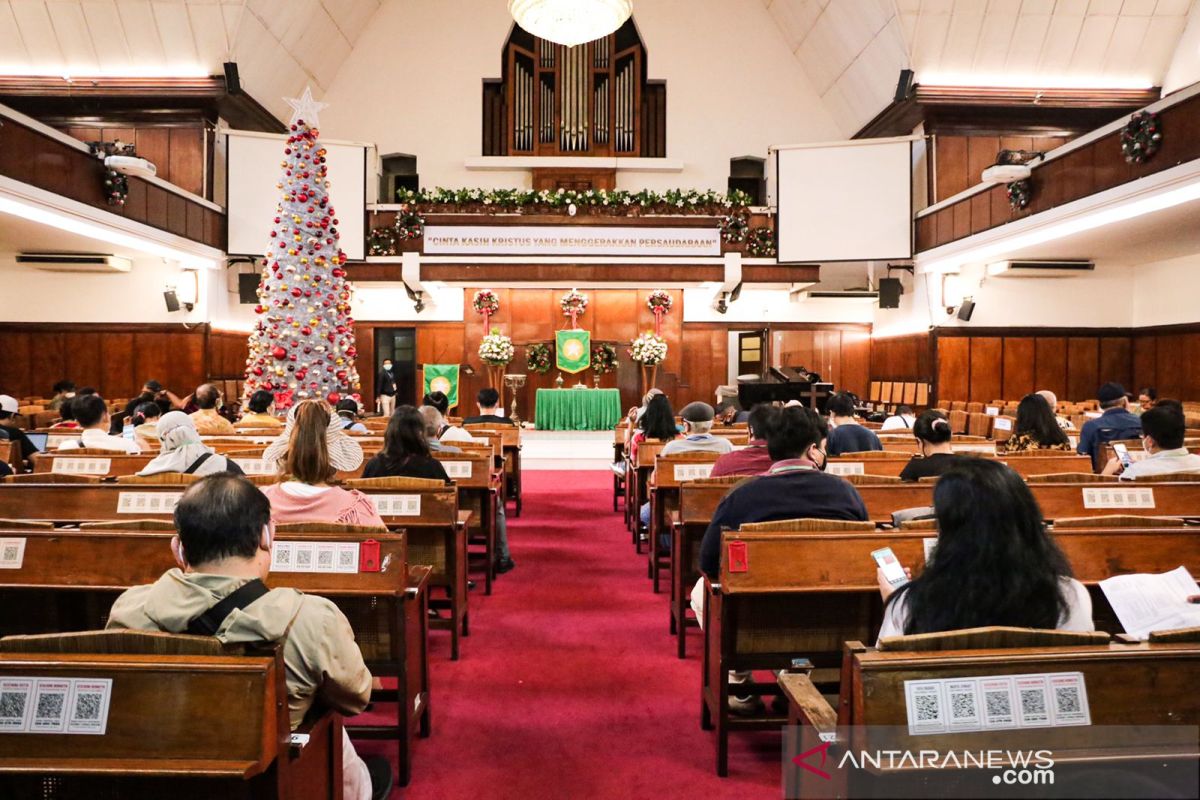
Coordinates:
206	396
433	421
1050	398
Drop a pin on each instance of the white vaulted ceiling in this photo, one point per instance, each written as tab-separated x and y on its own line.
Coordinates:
853	50
279	45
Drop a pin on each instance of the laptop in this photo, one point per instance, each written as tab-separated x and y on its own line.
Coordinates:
38	440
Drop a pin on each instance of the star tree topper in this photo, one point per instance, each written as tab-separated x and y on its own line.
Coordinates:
305	108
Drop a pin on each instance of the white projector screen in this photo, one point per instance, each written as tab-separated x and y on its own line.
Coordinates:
252	172
849	201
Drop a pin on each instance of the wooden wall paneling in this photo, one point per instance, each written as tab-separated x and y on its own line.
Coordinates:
795	349
1019	377
156	206
1116	360
1170	365
981	154
1145	360
47	358
954	368
615	317
1050	367
117	368
856	362
699	365
364	343
950	165
154	145
177	360
987	368
962	219
177	215
16	377
1077	175
944	220
1083	367
86	359
187	159
1191	372
530	317
444	343
829	361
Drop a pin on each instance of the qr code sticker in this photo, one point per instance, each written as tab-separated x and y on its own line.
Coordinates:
1066	700
998	704
1033	702
325	558
304	558
87	706
10	553
962	705
50	705
927	707
12	705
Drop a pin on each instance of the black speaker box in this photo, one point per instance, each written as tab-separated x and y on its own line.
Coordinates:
248	288
889	292
172	300
966	310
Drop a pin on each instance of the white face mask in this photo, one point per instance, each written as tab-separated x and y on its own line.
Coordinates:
388	367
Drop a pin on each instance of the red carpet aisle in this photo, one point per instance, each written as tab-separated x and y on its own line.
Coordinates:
568	685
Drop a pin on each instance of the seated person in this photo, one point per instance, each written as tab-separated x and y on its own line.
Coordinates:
209	421
936	454
92	414
347	411
795	487
447	432
66	412
753	459
995	564
145	423
657	424
8	426
635	414
310	451
1114	423
903	419
490	412
405	452
846	435
223	548
1052	400
1147	397
1163	429
260	412
434	422
1035	428
63	390
698	421
182	451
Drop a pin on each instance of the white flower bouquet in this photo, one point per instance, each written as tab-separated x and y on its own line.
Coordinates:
648	349
496	349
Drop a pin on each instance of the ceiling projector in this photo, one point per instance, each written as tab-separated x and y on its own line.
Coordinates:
131	165
1006	173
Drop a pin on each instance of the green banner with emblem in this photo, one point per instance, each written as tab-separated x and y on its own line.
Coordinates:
573	351
442	378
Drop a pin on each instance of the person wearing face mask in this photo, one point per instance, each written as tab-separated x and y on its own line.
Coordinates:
385	386
1163	431
936	454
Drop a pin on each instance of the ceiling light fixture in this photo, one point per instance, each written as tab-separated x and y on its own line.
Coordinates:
570	22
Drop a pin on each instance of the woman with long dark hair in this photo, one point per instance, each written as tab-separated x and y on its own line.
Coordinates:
994	564
1036	428
405	451
656	424
935	454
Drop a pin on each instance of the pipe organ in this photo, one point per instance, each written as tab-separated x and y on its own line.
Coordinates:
592	99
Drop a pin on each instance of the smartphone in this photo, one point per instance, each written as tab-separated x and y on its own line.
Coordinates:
1122	454
892	571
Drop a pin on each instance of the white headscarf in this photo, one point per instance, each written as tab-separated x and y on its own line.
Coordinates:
180	447
345	454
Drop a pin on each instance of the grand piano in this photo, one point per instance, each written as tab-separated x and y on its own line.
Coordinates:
783	384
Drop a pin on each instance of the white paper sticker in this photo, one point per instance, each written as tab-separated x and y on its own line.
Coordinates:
315	557
283	557
846	468
999	703
12	553
1070	704
306	556
256	466
996	702
81	466
147	502
457	469
1074	440
397	505
992	411
89	705
16	695
1113	496
1000	424
1033	701
326	557
930	544
962	701
347	557
926	709
692	472
50	706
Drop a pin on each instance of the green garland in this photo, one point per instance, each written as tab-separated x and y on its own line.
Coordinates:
1141	137
382	242
604	359
537	358
1019	194
734	228
409	226
674	201
762	242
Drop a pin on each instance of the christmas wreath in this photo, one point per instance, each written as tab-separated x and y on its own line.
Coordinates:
537	358
409	225
762	242
604	359
573	303
116	185
659	298
1019	194
486	302
734	228
1141	137
382	242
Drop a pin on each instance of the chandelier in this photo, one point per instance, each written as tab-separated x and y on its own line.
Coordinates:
570	22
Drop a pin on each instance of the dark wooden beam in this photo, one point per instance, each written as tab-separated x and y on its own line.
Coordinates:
583	274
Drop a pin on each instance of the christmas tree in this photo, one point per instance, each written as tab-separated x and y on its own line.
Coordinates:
303	343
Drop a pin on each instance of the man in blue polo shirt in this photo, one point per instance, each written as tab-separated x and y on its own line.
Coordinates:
1114	424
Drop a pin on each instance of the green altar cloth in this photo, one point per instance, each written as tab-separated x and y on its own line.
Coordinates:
577	409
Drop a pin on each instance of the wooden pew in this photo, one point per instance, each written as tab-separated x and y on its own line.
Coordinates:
437	537
670	472
1025	465
225	731
789	607
478	486
69	579
698	500
1144	689
510	443
619	432
637	476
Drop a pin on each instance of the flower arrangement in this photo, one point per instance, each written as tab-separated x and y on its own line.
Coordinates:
762	242
485	302
604	359
409	225
648	349
1141	137
1019	194
537	358
734	228
675	201
573	304
496	349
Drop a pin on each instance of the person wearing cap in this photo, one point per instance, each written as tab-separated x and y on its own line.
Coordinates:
698	421
1114	423
8	426
91	412
182	450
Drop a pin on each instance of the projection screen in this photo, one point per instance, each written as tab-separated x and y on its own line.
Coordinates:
253	170
845	201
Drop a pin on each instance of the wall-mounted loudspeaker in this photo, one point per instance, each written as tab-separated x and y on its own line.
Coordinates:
248	288
966	310
890	290
171	299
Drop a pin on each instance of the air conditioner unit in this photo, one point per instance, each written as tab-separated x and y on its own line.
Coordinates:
75	262
839	294
1040	269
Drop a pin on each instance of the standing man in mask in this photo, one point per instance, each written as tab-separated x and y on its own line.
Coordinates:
385	384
